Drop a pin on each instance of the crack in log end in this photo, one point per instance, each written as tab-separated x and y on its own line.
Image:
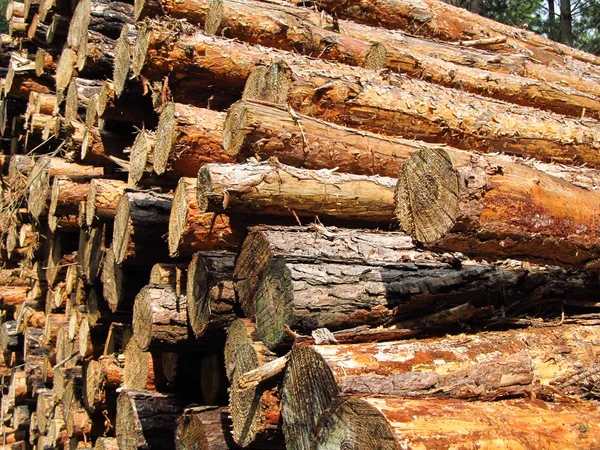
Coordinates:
427	195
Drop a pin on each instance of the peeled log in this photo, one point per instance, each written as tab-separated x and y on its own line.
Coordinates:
271	188
102	200
210	297
264	244
497	210
141	221
484	366
159	318
395	423
187	138
146	420
416	109
191	229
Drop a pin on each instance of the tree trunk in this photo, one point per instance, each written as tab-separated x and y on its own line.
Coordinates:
211	299
255	412
471	369
296	295
146	420
566	23
141	221
205	428
436	19
394	422
497	210
186	139
191	229
264	244
102	200
416	109
160	318
271	188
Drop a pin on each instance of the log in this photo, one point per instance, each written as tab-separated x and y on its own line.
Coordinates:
449	23
9	338
91	255
265	243
346	295
203	427
79	94
146	420
191	229
138	372
255	412
120	285
240	332
59	26
102	200
186	139
45	63
211	300
11	297
47	167
117	339
106	444
44	408
172	275
160	318
102	378
390	421
349	98
141	221
65	196
493	209
131	106
140	159
485	366
270	188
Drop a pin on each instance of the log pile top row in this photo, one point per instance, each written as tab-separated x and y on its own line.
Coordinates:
274	224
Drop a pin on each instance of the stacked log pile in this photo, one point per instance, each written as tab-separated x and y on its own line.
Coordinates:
262	224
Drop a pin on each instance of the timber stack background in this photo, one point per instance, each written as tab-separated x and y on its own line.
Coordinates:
263	224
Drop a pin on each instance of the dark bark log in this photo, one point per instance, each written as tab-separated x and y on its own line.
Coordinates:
191	229
146	420
483	367
160	318
379	293
495	209
271	188
141	221
204	428
186	139
102	200
332	244
389	421
211	300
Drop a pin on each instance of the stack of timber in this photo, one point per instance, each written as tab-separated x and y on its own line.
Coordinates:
270	224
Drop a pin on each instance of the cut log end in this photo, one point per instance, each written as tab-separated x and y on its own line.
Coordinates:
112	280
214	16
138	373
122	62
427	195
269	84
165	138
64	71
138	158
273	305
121	230
140	50
353	423
177	220
377	57
307	376
142	319
235	123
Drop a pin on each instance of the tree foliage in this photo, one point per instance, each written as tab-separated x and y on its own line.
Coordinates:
3	22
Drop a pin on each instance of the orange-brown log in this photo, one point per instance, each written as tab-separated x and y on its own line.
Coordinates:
65	196
396	422
416	109
186	139
102	199
210	297
494	209
484	366
271	188
191	229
